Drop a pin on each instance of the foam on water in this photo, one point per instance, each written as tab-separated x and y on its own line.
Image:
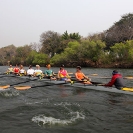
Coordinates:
74	115
44	120
8	93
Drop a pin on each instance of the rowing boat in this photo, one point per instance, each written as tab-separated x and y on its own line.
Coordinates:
125	90
97	87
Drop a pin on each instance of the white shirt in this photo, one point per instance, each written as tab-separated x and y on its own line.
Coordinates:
30	71
22	70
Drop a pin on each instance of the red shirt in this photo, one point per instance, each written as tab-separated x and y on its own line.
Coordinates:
16	70
114	77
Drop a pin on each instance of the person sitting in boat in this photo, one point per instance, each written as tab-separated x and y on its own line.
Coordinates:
22	71
16	70
30	71
116	80
81	77
49	73
63	75
9	70
38	72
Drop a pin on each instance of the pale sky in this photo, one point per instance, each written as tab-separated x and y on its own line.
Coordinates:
23	21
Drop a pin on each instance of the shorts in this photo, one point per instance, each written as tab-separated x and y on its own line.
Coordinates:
63	79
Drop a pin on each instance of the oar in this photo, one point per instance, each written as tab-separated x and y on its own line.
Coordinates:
68	73
7	86
28	87
93	82
7	76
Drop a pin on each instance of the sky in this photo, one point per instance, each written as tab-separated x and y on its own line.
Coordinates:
23	21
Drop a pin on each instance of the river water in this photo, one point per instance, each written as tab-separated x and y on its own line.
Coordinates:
65	109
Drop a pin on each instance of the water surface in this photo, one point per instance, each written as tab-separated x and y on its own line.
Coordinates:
63	109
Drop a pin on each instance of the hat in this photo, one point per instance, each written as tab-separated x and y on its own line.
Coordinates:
114	72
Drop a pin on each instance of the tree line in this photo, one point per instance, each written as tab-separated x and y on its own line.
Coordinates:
110	48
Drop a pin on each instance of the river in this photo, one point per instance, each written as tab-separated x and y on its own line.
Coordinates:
65	109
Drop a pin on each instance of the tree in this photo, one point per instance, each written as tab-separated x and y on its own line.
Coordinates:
121	31
71	36
65	36
41	59
22	53
30	58
51	43
6	54
123	52
75	36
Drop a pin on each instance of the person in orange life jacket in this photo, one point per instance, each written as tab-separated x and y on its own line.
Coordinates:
63	75
16	70
116	80
81	77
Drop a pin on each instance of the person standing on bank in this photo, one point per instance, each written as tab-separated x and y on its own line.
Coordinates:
116	80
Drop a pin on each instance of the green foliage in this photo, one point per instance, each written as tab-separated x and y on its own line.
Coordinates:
93	50
69	54
75	36
71	36
123	51
87	50
58	59
65	36
41	59
30	58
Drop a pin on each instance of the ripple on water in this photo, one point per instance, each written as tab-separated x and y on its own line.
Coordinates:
72	116
9	93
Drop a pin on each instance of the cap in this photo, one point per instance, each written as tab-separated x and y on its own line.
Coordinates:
114	72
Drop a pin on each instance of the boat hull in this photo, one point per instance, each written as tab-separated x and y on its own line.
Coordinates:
126	90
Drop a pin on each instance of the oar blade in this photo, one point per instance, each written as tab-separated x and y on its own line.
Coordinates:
22	87
127	89
5	86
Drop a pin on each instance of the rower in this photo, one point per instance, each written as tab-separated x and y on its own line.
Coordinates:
22	71
49	73
116	80
81	77
30	71
10	70
38	72
63	75
16	70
